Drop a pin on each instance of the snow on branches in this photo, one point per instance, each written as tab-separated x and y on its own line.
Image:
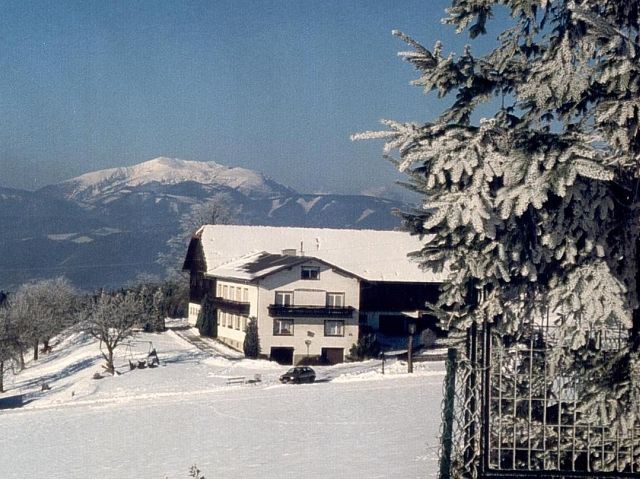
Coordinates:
545	186
535	211
537	207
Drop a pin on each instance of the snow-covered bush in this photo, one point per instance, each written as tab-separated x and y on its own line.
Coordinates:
207	321
367	347
251	345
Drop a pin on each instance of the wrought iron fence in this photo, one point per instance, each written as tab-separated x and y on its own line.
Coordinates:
515	413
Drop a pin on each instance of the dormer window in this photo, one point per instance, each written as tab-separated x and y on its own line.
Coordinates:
310	272
284	298
335	300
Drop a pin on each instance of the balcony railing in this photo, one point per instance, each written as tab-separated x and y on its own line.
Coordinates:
277	310
230	306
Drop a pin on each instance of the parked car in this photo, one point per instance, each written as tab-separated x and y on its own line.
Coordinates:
299	374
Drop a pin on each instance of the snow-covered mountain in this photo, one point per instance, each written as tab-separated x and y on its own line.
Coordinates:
105	185
158	192
105	227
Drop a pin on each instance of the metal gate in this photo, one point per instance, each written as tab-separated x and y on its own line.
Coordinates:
510	412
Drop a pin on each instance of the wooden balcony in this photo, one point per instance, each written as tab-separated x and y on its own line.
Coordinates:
233	307
278	311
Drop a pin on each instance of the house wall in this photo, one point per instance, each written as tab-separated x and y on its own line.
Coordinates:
228	331
395	300
397	296
198	285
194	310
369	300
307	292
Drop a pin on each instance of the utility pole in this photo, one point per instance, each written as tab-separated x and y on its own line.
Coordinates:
412	329
308	343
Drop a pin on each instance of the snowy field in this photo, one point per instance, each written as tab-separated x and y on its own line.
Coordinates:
155	423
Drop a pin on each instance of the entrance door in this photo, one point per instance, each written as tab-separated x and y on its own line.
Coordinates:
332	355
282	355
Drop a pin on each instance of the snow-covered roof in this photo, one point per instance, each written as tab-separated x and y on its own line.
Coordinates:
258	265
369	254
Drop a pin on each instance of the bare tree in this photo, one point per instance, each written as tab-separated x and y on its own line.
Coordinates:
20	314
43	309
216	210
111	318
9	346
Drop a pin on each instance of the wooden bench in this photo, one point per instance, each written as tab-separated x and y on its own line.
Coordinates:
235	380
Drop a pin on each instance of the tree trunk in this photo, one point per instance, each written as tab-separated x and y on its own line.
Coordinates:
21	358
35	350
110	368
45	345
1	376
635	330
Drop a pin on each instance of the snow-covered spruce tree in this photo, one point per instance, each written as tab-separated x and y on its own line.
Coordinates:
207	322
251	345
153	304
537	206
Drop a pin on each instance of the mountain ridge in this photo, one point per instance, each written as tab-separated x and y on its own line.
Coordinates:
165	170
105	227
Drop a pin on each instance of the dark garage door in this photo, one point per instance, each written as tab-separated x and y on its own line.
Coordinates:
332	355
282	355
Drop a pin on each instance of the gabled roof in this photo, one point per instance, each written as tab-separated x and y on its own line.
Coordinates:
259	265
369	254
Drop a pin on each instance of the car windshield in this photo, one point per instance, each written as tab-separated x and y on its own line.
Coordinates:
291	371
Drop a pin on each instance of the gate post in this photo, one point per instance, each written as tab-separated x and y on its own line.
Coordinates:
471	403
447	414
485	419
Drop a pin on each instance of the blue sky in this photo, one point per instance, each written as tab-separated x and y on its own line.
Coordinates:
273	85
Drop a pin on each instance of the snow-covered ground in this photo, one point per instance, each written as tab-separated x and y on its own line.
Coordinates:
155	423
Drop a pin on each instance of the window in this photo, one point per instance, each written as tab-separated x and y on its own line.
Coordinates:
244	323
333	328
245	295
283	327
232	293
218	318
238	293
219	293
310	272
225	291
284	298
335	300
236	321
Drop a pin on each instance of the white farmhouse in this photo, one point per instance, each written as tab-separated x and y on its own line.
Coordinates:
312	291
303	305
